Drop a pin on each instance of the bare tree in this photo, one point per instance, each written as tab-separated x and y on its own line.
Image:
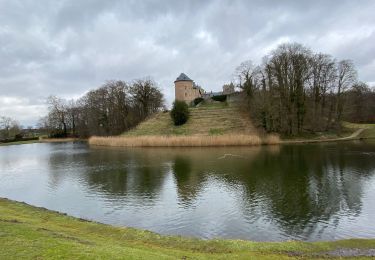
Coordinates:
9	127
346	77
147	97
296	90
57	116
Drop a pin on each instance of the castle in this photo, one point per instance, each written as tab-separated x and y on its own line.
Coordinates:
186	90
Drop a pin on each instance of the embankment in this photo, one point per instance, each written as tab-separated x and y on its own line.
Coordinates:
183	141
28	232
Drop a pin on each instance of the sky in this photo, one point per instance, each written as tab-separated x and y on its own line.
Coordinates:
69	47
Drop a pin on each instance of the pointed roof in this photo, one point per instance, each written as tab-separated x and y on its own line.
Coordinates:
183	77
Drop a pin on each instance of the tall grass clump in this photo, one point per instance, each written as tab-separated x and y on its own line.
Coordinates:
182	141
180	112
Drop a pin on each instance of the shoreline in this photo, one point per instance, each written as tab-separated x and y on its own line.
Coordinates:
211	141
45	140
35	232
198	140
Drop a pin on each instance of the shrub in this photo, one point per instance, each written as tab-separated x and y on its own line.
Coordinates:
197	100
57	134
220	98
180	112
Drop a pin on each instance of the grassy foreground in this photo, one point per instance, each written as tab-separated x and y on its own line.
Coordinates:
28	232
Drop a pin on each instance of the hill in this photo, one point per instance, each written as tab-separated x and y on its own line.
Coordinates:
207	119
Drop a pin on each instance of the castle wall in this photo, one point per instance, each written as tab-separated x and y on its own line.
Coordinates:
185	91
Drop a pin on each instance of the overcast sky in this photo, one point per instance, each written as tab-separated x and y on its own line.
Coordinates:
66	48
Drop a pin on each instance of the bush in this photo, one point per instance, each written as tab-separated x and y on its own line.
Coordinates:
197	100
180	112
220	98
57	134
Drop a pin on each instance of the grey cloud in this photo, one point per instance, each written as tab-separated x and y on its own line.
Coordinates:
68	47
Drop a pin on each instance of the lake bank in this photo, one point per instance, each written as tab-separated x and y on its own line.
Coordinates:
357	132
32	232
184	141
44	140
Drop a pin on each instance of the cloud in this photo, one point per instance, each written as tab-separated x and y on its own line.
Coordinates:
67	47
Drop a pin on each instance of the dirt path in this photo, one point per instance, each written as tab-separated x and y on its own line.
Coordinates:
353	136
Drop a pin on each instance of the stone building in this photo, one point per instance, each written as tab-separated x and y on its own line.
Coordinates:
228	89
186	90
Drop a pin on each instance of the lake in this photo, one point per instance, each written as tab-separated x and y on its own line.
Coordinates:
276	193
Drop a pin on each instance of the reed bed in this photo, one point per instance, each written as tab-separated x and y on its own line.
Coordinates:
183	141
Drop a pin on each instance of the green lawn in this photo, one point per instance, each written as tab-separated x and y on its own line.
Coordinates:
28	232
368	133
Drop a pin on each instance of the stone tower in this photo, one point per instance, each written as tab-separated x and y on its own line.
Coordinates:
185	89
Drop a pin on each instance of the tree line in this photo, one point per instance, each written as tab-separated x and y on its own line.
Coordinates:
9	128
295	90
111	109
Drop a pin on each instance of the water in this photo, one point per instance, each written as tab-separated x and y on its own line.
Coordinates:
299	192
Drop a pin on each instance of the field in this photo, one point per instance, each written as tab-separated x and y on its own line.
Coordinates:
28	232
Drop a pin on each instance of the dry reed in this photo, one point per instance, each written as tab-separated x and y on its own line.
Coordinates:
183	141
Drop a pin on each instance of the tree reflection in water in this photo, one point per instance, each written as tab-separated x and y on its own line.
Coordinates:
298	191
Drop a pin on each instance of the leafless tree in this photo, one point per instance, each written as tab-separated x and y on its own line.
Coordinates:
9	127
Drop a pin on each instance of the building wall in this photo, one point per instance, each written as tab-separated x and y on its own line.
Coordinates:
185	91
228	89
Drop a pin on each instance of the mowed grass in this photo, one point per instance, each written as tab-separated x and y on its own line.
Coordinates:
368	133
207	119
28	232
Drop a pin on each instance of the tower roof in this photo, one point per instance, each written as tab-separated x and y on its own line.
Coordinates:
183	77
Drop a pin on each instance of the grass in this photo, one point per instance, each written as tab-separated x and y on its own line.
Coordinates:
368	133
28	232
207	119
349	132
19	142
43	140
216	124
210	124
183	141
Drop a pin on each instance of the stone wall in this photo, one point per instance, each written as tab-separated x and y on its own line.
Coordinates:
185	91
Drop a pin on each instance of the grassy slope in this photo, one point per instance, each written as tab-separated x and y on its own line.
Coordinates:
368	133
208	119
28	232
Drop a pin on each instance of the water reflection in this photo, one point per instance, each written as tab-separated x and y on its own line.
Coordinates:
306	192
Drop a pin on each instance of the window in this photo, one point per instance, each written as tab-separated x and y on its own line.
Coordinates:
185	94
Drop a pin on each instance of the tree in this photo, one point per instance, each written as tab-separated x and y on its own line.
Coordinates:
111	109
147	97
296	90
346	77
180	113
9	127
360	107
248	77
57	116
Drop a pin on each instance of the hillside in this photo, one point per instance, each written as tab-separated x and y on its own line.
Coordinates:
207	119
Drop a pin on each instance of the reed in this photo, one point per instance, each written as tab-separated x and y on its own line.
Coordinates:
183	141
